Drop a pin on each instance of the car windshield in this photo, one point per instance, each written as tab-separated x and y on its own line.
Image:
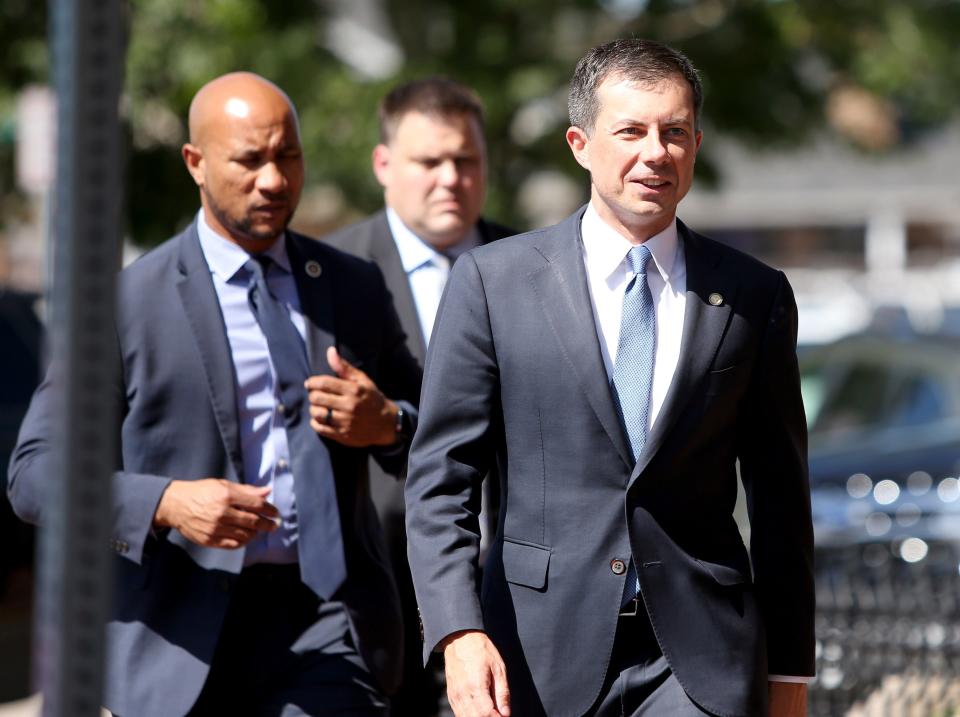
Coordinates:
842	399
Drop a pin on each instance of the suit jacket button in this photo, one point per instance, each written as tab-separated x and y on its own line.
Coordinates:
618	567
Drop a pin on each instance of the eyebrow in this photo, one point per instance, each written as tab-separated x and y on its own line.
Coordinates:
669	121
440	156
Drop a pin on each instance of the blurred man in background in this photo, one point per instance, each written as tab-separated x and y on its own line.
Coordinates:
250	577
617	367
432	164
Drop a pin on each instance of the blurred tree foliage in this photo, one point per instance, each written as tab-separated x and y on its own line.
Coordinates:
775	72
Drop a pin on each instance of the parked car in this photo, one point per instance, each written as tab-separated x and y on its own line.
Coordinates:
884	418
20	341
20	338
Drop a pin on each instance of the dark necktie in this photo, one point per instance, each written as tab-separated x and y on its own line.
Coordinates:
633	370
319	541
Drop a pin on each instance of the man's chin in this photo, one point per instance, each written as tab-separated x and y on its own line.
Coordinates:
265	231
450	224
447	236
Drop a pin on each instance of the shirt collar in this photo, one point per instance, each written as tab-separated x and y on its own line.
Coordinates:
225	258
606	249
414	252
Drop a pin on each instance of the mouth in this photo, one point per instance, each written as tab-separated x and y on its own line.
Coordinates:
270	208
652	183
447	205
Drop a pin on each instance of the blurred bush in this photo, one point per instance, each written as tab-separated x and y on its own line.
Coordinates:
878	72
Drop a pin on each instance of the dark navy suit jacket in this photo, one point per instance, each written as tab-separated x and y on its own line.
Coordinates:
515	375
176	399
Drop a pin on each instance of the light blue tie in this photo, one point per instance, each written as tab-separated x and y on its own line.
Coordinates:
633	370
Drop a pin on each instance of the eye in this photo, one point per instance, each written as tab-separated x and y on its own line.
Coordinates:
677	132
631	132
430	163
249	160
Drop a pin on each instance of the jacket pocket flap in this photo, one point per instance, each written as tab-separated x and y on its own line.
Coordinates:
724	379
525	564
724	574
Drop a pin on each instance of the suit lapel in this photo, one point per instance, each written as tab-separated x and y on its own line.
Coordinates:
202	308
561	286
315	289
383	252
704	325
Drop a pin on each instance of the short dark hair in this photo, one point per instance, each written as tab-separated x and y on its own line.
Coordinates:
637	60
436	96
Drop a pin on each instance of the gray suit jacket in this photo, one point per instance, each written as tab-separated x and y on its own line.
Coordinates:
176	399
371	239
515	375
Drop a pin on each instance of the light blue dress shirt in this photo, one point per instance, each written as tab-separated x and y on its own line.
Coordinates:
263	438
427	269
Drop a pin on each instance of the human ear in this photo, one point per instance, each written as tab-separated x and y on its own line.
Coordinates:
193	158
381	164
579	144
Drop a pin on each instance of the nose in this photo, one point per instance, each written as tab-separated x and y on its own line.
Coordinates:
270	179
448	174
653	150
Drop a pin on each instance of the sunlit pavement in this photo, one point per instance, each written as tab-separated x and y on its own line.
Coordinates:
29	707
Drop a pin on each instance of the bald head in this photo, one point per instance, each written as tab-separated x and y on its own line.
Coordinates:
244	154
234	96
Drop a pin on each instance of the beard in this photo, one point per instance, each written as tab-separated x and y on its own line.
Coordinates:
243	226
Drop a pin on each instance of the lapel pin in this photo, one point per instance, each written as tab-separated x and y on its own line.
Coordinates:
313	269
715	299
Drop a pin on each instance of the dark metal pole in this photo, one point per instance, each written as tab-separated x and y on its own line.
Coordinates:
74	588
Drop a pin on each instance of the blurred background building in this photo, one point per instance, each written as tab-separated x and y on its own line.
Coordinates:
831	150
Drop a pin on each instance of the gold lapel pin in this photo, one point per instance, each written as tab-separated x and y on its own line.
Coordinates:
715	299
313	269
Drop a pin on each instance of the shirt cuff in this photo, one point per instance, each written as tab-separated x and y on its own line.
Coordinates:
790	678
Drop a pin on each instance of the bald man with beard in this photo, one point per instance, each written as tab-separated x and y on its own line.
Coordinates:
252	387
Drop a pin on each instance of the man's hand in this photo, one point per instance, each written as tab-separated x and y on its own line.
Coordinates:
216	513
349	408
787	699
476	676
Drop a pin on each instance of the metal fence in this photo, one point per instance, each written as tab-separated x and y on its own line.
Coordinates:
888	630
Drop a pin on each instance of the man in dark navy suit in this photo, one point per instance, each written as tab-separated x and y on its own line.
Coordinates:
253	376
616	368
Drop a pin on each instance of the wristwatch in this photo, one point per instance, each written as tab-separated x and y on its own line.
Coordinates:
402	425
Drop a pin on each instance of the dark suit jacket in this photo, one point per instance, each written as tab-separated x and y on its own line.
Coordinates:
176	398
371	239
515	374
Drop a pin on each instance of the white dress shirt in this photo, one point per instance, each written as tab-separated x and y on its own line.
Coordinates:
263	436
427	269
605	257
